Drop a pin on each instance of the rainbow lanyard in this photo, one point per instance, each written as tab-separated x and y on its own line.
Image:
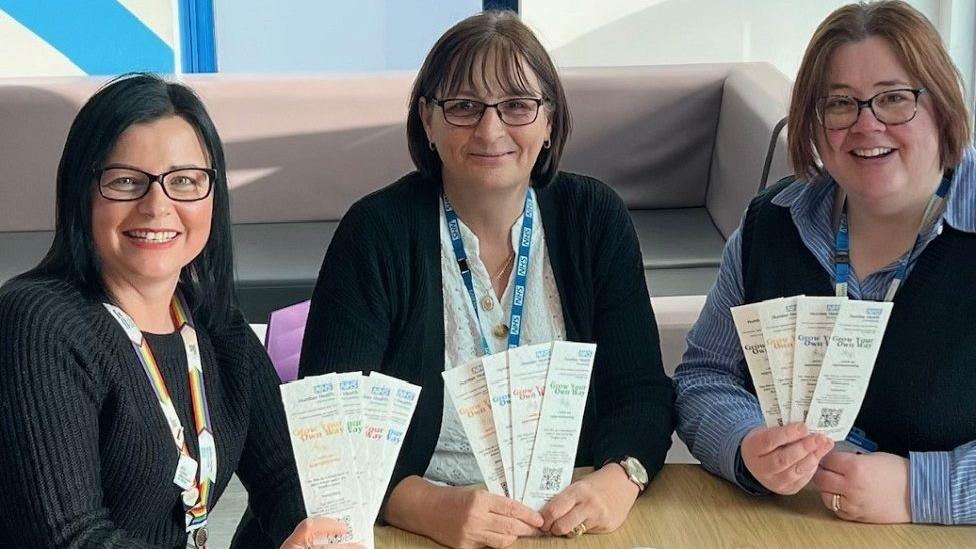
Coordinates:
196	488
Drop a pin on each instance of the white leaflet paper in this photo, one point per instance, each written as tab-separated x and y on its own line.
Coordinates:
527	367
350	395
320	445
376	410
554	454
847	367
815	317
468	391
746	318
496	377
403	402
778	320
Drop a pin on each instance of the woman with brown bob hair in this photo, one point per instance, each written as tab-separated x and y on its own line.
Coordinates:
487	123
880	140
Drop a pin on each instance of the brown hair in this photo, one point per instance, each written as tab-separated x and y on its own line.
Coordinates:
917	45
462	54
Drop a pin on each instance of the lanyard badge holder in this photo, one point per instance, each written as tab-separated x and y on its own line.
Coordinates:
194	478
521	268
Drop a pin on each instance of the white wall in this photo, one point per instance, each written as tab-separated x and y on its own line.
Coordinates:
638	32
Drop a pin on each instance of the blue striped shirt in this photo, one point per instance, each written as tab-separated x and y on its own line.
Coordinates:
716	410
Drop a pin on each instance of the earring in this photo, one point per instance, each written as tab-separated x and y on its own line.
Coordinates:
546	144
431	145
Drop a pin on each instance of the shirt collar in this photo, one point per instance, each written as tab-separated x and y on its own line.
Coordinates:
810	200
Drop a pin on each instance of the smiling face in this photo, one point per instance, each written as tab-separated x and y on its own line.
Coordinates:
150	240
890	166
491	154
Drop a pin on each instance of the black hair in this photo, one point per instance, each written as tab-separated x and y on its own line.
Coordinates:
137	98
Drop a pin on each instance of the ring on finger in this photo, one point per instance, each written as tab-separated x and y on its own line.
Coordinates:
578	530
835	503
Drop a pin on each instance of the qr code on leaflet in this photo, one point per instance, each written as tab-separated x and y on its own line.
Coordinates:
551	479
829	418
345	520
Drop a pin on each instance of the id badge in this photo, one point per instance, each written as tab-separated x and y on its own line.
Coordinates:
186	472
856	442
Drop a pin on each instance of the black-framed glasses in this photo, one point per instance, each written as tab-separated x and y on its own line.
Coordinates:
125	183
518	111
891	107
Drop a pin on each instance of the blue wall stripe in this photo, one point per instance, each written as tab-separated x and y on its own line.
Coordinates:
99	36
198	47
501	5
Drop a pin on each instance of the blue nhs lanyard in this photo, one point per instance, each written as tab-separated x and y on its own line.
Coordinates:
842	245
521	268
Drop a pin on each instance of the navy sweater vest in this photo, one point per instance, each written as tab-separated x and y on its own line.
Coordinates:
923	387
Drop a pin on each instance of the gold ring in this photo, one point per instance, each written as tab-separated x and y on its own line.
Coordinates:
835	503
578	530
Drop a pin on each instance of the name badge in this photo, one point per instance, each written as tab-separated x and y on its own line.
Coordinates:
186	472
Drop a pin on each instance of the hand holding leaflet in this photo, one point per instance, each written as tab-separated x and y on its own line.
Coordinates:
329	484
561	419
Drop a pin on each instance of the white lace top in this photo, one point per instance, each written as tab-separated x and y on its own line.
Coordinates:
452	462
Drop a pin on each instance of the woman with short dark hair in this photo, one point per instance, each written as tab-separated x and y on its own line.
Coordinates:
487	123
880	140
131	386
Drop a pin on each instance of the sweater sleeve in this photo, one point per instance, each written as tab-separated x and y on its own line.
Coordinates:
267	466
50	481
633	396
349	322
715	410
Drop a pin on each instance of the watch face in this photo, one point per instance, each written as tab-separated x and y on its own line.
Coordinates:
635	469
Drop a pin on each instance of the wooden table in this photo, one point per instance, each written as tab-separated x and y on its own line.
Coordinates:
686	507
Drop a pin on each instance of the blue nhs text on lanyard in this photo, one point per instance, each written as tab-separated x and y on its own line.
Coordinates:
842	245
521	268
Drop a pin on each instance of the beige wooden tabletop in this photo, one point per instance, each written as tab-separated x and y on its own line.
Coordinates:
686	507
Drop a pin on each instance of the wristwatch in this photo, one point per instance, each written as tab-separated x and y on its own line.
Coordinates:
635	471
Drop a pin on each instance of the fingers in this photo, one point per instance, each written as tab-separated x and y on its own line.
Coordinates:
839	462
507	507
565	524
829	482
788	457
558	507
502	524
772	438
494	539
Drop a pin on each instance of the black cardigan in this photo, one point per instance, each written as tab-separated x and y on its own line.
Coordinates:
87	458
378	305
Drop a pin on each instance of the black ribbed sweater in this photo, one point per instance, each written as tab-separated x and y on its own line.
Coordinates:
378	305
86	459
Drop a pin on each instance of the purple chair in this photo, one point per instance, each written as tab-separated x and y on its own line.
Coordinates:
286	328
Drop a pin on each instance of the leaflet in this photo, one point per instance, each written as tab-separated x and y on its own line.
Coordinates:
496	377
377	393
815	318
847	367
554	454
527	368
403	401
468	391
318	438
746	318
350	397
778	320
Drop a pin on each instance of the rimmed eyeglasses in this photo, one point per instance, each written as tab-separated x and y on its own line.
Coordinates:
891	107
125	183
518	111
